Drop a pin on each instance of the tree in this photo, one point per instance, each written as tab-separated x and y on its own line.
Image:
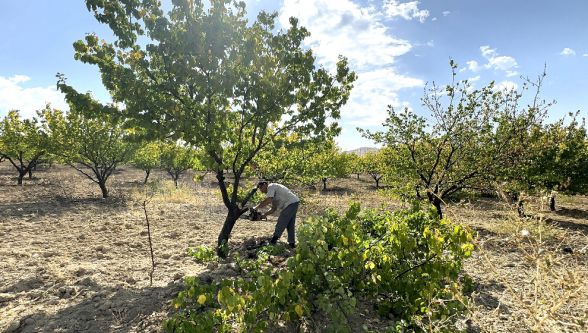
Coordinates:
355	164
556	160
204	74
467	139
94	146
327	163
374	164
177	159
22	143
147	157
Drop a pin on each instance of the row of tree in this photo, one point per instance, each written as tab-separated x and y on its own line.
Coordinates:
93	146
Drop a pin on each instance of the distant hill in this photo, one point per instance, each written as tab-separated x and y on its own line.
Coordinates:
362	151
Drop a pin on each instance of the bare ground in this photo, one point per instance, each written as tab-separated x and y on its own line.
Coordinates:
71	261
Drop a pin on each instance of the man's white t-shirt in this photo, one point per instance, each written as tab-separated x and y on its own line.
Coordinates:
283	197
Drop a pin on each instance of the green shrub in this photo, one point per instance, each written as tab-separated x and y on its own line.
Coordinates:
406	262
203	254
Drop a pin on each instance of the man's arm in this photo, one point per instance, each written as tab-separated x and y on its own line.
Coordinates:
264	203
273	209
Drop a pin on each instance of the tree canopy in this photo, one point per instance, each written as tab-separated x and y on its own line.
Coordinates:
22	142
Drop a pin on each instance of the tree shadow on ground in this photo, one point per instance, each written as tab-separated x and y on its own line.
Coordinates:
485	296
338	190
573	213
59	206
106	309
569	225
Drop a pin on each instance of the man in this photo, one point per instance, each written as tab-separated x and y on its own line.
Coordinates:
283	201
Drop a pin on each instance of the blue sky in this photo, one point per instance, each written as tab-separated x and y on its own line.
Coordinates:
394	46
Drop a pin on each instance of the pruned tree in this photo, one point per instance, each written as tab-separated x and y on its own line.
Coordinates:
355	164
22	143
374	164
466	140
147	157
93	145
328	162
205	75
176	159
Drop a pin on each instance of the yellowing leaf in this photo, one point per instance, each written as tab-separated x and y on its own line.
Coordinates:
201	299
299	310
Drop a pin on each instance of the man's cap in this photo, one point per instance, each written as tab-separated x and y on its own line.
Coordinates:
261	182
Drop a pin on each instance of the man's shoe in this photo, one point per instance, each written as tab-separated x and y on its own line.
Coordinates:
292	245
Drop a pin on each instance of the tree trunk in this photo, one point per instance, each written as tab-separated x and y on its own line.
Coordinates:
552	203
103	188
30	173
324	184
434	199
437	204
358	176
378	183
521	208
222	249
20	177
147	173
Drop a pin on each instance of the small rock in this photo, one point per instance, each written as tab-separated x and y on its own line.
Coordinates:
165	255
100	248
178	275
29	321
49	254
99	255
87	281
80	272
131	280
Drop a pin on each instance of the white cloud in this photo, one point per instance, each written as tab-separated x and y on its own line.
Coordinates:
473	65
446	13
14	96
342	27
345	28
506	86
474	79
567	52
585	55
407	10
373	91
506	64
434	19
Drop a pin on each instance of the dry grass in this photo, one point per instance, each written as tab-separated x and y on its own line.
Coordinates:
72	261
